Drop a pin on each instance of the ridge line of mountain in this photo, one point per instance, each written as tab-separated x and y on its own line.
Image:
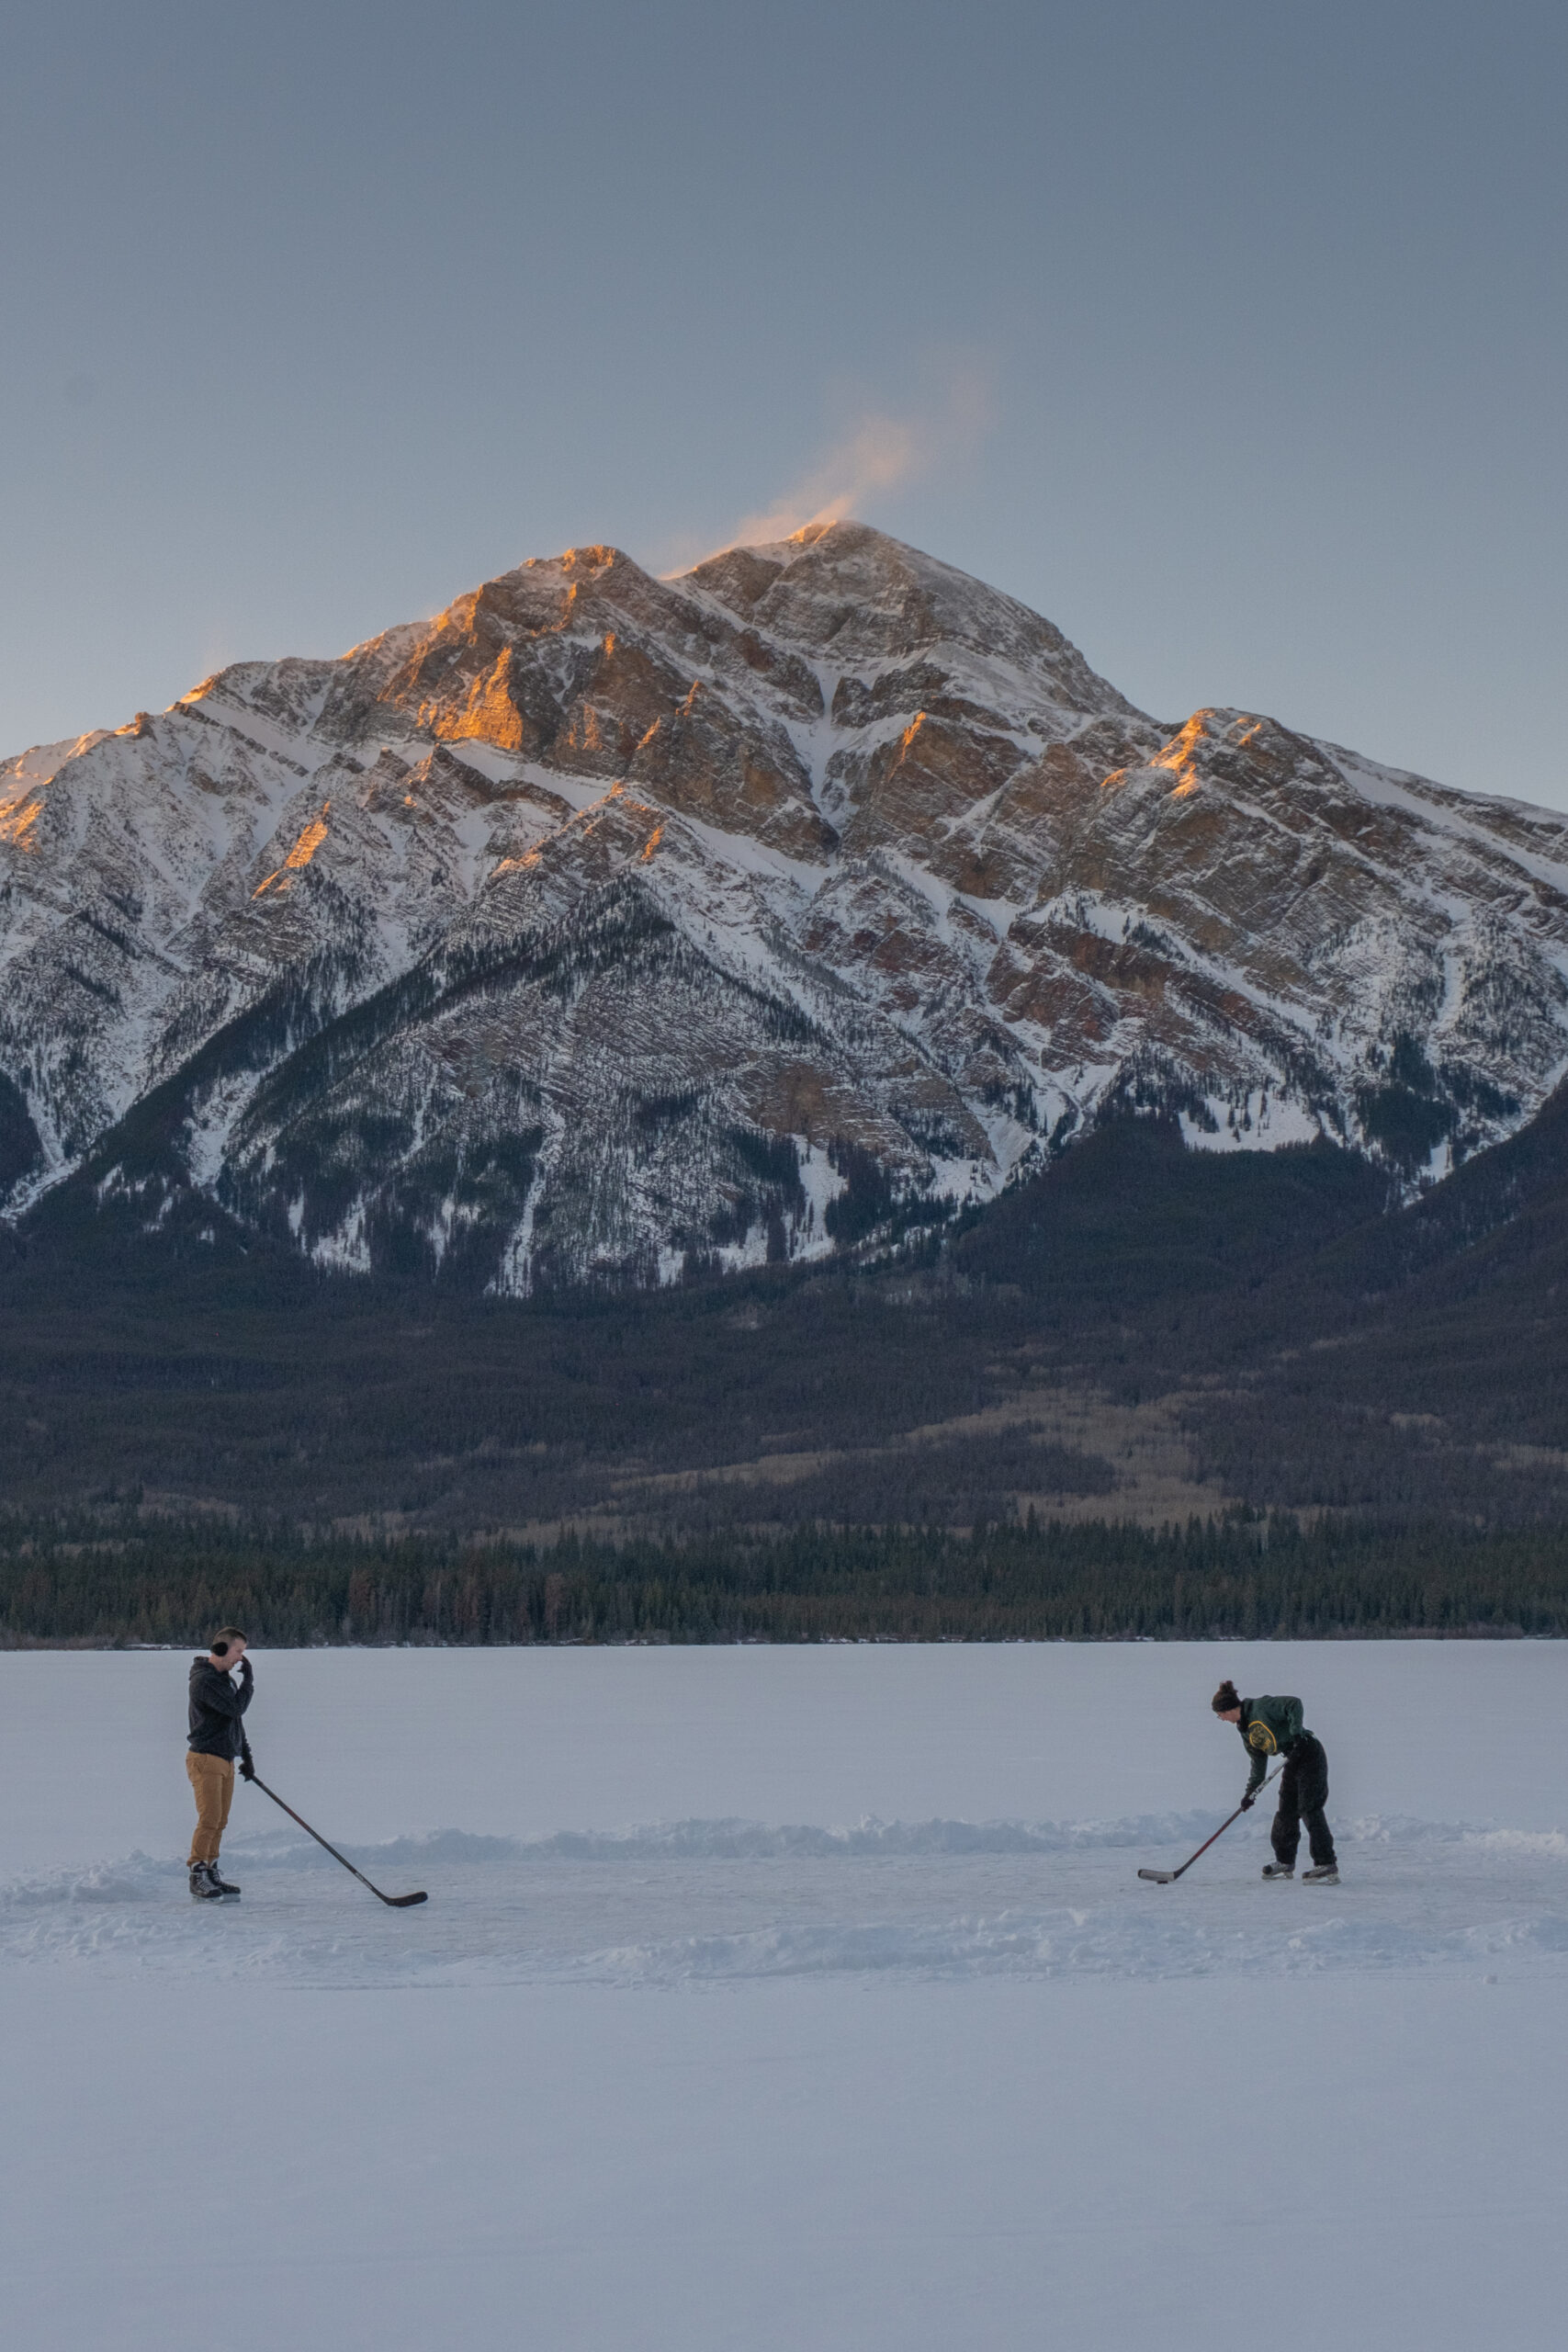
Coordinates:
825	890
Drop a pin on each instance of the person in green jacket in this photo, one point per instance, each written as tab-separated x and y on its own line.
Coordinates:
1273	1727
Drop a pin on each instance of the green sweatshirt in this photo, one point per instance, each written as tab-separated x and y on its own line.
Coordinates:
1270	1727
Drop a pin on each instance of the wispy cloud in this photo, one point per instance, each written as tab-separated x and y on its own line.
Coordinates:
882	452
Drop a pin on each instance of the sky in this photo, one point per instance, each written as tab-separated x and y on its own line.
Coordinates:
1231	337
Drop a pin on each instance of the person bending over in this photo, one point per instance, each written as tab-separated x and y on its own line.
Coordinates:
216	1736
1273	1727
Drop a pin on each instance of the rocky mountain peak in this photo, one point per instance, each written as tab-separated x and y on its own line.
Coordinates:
605	927
853	596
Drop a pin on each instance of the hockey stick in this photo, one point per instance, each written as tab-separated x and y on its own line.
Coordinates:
397	1902
1168	1878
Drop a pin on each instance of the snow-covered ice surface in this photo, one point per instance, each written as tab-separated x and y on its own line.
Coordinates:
785	1998
708	1900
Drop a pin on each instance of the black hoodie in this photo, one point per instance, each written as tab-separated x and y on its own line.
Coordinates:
216	1708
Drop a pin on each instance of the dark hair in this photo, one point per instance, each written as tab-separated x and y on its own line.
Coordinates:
218	1645
1226	1698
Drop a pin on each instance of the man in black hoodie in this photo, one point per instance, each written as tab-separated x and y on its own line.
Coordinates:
217	1736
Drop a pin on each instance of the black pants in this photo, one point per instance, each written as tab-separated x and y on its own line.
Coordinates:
1304	1793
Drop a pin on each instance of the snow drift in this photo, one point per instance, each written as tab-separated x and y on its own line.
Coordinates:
924	1899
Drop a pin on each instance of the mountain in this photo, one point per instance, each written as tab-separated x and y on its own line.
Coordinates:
607	929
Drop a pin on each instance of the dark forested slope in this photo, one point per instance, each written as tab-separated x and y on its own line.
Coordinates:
1262	1317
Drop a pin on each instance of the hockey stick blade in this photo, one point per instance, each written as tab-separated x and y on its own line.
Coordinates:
1168	1878
393	1902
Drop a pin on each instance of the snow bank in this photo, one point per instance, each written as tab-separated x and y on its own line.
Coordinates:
700	1901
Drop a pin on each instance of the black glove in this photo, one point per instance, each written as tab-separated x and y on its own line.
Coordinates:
1247	1802
244	1670
247	1765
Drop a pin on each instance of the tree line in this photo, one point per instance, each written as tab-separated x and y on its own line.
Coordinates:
101	1583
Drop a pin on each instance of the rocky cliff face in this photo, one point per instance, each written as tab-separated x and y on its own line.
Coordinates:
607	926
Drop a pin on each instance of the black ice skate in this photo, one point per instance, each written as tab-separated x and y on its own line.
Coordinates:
1326	1873
1279	1870
218	1883
201	1887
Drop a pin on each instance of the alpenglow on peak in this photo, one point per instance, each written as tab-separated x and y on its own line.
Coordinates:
607	928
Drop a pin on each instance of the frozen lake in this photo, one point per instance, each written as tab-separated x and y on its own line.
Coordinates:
785	1998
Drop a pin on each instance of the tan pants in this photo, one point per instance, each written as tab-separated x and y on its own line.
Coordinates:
212	1778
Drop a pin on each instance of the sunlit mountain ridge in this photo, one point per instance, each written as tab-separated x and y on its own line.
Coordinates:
607	929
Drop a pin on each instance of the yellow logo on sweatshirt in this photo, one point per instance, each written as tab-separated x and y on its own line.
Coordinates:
1258	1736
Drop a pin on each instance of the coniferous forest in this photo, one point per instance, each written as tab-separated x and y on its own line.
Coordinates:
1153	1393
1238	1579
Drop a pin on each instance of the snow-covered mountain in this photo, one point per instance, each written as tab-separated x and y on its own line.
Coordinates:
605	925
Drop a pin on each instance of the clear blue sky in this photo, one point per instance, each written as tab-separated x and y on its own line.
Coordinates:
1231	336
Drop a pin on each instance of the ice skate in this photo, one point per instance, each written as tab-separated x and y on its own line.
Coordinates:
1325	1873
201	1887
1279	1870
219	1883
